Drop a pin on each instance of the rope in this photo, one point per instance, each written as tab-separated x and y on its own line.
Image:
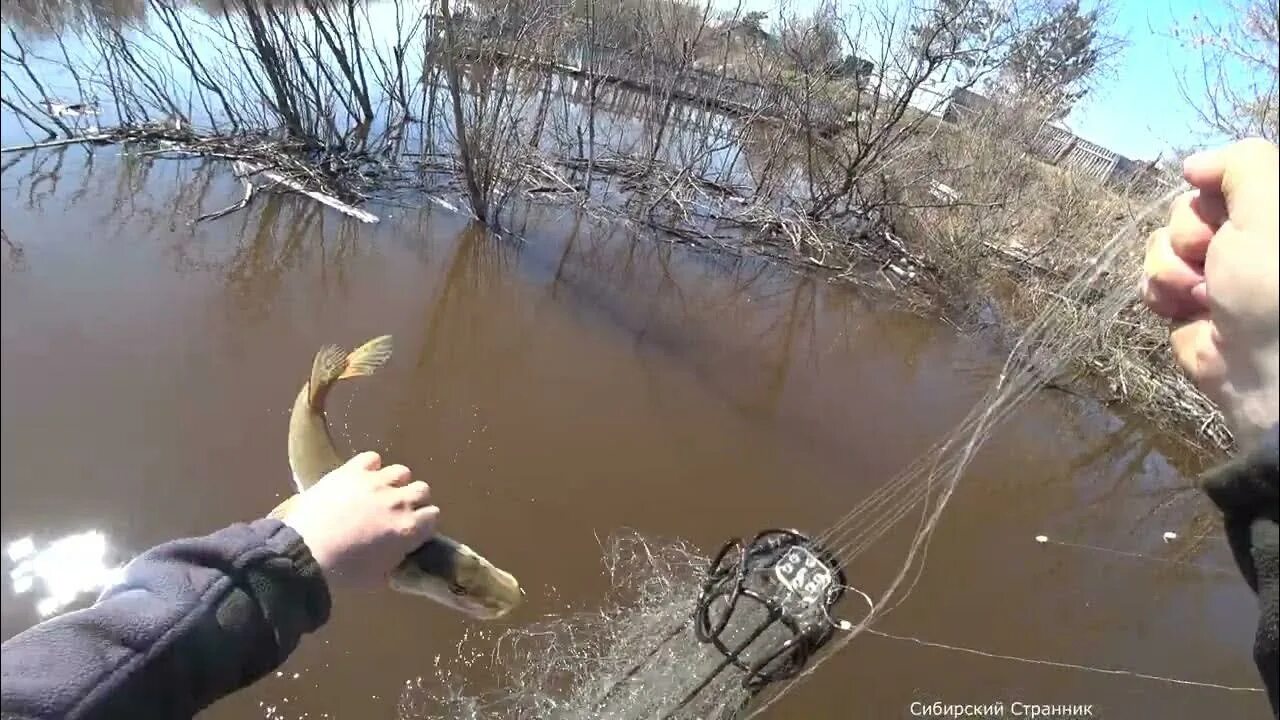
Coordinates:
1206	567
1067	665
1043	351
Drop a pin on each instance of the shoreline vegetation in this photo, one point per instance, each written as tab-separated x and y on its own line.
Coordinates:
832	141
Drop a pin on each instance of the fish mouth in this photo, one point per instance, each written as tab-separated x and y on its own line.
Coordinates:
455	597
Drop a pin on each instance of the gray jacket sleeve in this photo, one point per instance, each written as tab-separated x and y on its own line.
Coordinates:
192	621
1247	491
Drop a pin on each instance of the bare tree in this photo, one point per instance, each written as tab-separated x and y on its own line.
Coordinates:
490	101
854	131
812	43
1236	87
1055	62
961	28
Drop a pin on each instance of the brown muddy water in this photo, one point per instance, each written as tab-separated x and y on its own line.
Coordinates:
555	389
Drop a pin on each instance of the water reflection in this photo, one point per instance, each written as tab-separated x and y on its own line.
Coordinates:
50	18
278	233
772	315
45	18
746	330
15	253
62	571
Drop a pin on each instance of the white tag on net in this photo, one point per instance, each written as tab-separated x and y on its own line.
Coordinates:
801	572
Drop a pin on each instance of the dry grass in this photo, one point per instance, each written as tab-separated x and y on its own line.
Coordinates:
1017	231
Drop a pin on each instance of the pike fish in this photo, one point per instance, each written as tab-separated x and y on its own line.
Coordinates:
443	569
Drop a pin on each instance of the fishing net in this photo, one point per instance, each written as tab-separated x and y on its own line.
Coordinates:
679	636
566	666
684	636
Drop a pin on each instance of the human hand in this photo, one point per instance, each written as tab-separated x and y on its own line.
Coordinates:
1212	270
362	519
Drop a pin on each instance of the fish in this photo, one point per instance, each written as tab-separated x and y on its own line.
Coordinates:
442	569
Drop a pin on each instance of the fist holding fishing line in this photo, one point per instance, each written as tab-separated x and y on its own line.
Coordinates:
362	519
1212	270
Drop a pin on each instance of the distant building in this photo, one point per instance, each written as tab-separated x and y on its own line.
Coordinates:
856	68
1060	147
967	106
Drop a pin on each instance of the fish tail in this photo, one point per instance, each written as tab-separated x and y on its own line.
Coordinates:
333	363
367	358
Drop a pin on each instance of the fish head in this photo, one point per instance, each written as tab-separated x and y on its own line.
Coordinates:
477	588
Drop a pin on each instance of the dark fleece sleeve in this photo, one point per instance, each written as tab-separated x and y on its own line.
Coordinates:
1247	490
193	621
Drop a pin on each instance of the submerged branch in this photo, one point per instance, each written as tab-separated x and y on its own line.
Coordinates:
234	207
328	200
100	138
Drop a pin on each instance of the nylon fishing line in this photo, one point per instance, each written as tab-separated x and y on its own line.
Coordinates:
1045	349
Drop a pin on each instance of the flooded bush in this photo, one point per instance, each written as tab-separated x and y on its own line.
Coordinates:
818	141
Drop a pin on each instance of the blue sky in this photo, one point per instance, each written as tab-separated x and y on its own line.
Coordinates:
1138	110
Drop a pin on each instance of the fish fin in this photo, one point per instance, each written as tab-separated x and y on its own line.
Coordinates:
367	358
327	367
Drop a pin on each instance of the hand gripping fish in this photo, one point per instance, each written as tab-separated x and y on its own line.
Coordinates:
443	569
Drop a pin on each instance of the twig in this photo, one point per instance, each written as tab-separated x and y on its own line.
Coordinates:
244	202
57	143
275	177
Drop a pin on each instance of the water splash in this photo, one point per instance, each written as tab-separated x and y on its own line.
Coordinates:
588	663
